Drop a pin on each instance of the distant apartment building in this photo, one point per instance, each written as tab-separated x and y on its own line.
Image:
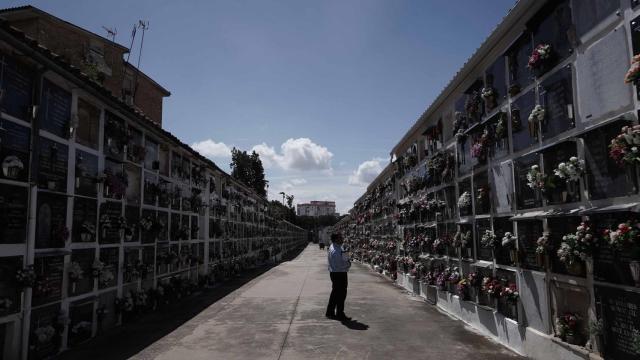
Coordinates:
100	58
317	208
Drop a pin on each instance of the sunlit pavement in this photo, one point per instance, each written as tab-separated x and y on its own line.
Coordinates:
280	315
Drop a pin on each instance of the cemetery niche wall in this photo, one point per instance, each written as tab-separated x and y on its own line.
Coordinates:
104	216
541	250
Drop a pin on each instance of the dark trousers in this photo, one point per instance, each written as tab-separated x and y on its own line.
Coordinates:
338	293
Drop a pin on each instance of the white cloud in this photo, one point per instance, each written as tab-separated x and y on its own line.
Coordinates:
296	154
290	184
212	149
298	181
366	172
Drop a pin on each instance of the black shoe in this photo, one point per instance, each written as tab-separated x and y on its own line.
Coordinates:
343	317
330	316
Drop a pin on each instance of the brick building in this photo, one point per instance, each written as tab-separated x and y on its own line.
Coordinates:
100	58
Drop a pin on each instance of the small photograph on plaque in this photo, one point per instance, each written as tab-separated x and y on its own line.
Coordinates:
51	229
14	152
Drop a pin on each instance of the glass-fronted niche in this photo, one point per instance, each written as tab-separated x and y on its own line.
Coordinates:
605	178
16	82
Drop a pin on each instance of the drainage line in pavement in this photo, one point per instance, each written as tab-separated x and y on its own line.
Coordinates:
293	315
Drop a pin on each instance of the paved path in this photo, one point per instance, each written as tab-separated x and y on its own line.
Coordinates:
280	315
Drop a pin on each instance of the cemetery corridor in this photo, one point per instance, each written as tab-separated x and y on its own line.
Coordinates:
280	315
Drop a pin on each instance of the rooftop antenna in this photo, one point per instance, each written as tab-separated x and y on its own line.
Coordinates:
144	25
112	32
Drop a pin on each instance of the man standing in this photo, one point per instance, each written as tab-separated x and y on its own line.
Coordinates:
339	264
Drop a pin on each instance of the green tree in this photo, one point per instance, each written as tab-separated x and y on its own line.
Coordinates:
248	169
290	201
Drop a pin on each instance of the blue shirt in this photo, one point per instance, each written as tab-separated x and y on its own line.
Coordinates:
338	261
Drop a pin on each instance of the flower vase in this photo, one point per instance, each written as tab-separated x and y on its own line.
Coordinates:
513	256
573	339
77	182
630	175
540	259
128	237
634	266
574	268
73	287
513	309
85	237
589	265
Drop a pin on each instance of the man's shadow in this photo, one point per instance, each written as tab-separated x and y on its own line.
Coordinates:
355	325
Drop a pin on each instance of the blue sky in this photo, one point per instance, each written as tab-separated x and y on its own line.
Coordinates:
322	89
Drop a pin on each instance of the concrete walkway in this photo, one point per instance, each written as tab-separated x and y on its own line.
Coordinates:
280	315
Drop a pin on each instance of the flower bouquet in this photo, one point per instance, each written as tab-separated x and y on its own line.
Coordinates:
82	328
489	97
106	278
96	268
44	334
626	238
26	277
5	304
539	56
463	289
624	148
577	247
536	117
570	171
542	246
538	181
464	201
441	280
633	74
567	327
489	239
75	271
